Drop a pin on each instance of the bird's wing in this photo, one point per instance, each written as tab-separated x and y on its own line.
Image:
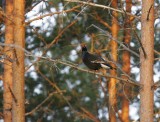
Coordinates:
93	58
96	58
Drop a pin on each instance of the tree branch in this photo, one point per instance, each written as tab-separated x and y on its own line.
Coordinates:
88	71
54	41
38	106
110	36
102	6
27	53
51	14
139	40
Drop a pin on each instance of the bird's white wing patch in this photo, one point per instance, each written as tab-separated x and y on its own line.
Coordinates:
105	66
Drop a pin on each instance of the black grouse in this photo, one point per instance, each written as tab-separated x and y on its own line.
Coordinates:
92	61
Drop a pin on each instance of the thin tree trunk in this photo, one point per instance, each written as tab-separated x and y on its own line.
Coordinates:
18	65
146	69
112	82
126	63
7	95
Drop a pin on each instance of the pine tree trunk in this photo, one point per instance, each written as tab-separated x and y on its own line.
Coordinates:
18	65
112	82
146	69
126	63
7	95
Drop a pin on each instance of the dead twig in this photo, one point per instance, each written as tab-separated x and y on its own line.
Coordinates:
102	6
90	115
38	106
88	71
110	36
156	85
145	55
149	12
56	87
53	42
51	14
14	97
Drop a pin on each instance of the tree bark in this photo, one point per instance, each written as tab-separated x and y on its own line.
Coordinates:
112	82
126	63
7	95
18	65
146	69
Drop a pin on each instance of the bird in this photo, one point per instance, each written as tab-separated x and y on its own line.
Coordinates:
93	61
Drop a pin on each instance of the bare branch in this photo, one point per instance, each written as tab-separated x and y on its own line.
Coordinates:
54	41
51	14
27	53
97	17
156	85
156	52
102	6
56	87
90	115
88	71
38	106
110	36
149	12
14	46
14	97
139	40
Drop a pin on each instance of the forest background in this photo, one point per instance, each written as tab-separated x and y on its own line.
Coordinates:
43	78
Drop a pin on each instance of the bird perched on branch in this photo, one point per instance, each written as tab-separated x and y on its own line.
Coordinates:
92	61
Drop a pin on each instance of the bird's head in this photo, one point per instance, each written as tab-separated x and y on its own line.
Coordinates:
83	46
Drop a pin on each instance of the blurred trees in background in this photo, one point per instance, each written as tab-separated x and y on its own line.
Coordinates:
58	87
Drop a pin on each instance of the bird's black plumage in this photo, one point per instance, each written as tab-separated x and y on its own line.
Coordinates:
92	61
